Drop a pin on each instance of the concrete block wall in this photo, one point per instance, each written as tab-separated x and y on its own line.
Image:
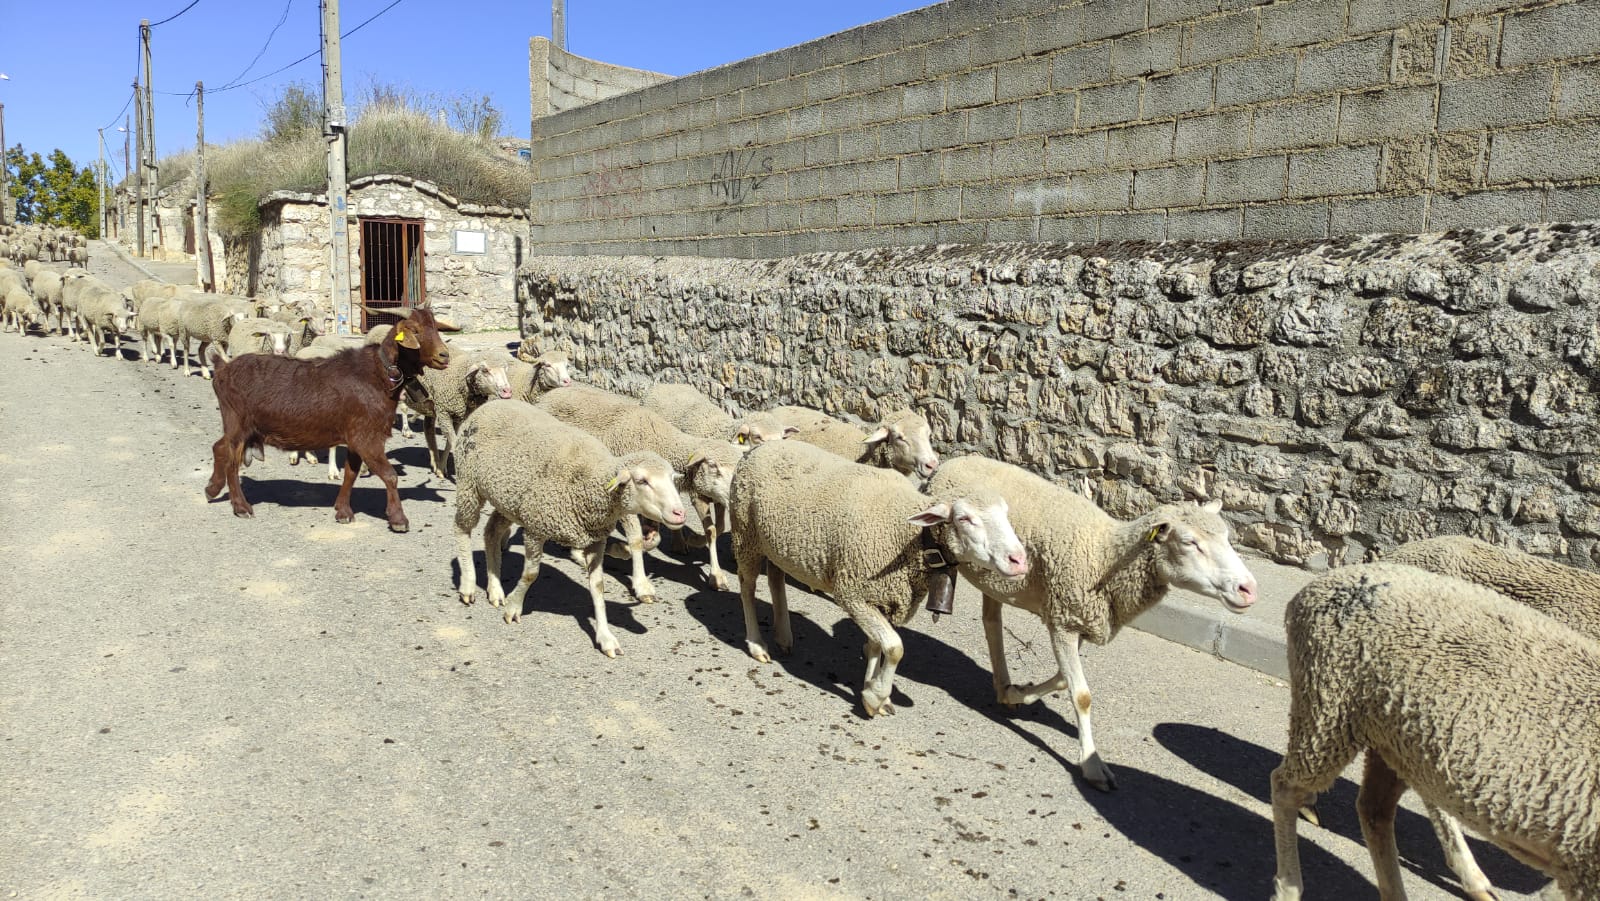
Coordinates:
1095	120
558	80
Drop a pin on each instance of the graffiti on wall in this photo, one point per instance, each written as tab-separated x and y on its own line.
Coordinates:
608	193
738	174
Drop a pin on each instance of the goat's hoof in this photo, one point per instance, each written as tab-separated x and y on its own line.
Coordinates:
401	526
343	518
212	492
244	512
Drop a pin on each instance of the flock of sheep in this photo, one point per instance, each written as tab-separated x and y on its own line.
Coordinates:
1468	672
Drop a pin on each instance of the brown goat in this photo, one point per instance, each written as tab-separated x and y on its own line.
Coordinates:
303	405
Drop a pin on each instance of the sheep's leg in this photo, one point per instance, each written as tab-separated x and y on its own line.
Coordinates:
341	504
591	558
883	650
782	637
1287	798
719	581
433	448
994	636
405	423
1458	856
494	548
205	361
642	587
466	519
449	442
750	568
334	472
176	343
1376	803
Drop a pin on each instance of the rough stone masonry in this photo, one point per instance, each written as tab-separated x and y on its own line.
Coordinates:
1339	396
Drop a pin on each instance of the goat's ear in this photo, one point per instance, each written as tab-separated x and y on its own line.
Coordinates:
445	325
934	515
405	335
879	435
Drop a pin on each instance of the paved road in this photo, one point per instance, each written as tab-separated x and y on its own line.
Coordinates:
199	706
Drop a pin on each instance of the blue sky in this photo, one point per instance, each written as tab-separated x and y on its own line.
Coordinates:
72	64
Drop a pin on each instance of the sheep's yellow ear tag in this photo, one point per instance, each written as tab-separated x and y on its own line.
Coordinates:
1153	533
614	482
695	457
741	439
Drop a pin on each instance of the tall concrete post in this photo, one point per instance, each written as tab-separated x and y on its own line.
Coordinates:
100	173
202	227
333	131
558	23
5	173
138	170
152	175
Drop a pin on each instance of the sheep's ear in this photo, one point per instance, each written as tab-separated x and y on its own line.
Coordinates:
1158	532
934	515
478	367
1212	506
742	436
790	430
620	478
879	435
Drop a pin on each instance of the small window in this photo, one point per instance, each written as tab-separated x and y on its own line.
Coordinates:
525	153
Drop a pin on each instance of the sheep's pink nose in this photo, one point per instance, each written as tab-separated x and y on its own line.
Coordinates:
930	466
565	382
1018	563
505	393
1247	593
675	515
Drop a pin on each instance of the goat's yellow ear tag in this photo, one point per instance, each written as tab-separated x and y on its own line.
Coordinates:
1153	533
399	334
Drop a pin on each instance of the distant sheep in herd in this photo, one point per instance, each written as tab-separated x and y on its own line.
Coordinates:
1465	671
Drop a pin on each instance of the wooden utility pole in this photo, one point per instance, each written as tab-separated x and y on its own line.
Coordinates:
152	179
138	171
333	131
202	231
558	23
100	171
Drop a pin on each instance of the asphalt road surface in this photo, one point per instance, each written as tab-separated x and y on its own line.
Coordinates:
195	705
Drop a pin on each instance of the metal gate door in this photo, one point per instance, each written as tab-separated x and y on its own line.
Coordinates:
392	274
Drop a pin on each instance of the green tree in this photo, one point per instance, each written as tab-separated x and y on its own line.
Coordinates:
54	191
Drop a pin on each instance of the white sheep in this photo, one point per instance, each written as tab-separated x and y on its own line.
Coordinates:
259	335
1566	594
902	441
560	484
448	395
1485	707
696	414
856	532
47	293
73	281
304	319
533	376
1091	575
208	319
103	315
18	310
705	465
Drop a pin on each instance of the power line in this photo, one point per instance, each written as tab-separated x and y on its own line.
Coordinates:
259	53
119	112
176	14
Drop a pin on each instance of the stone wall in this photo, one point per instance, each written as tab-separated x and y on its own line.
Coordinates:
293	251
1338	396
1084	120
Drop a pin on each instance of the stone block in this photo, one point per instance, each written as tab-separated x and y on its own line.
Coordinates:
1353	64
1283	220
1204	225
1174	95
966	164
1023	78
1252	179
1139	145
1100	191
1053	29
1381	115
943	131
995	43
1227	37
1553	152
1255	80
896	138
1133	227
920	170
1516	99
905	65
1014	159
1146	52
1306	123
1216	135
950	55
1580	91
1173	186
838	115
1380	214
1071	229
989	124
1074	153
1554	32
1380	15
938	204
1108	105
855	145
1049	114
1572	204
1080	66
1111	18
974	88
1485	209
1021	230
1302	22
1340	170
1165	12
1041	197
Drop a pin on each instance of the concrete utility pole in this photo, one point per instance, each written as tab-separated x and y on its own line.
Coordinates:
202	231
122	198
333	131
138	171
100	171
152	179
5	173
558	23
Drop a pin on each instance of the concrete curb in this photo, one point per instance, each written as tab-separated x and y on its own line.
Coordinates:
130	260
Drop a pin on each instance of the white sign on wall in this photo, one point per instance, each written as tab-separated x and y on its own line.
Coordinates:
471	241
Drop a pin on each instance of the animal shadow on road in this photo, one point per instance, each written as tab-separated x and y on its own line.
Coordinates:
554	594
1248	766
1221	846
834	663
367	496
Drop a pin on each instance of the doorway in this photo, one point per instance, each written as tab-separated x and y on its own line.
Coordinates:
392	274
